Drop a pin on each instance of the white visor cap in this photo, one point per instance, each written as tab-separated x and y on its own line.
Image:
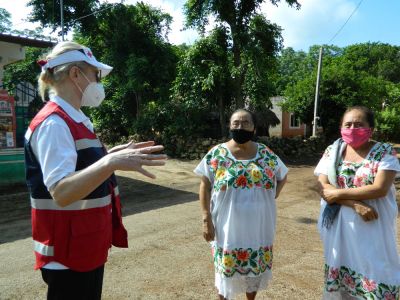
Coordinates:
84	54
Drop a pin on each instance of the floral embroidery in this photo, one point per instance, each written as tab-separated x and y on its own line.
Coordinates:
242	261
351	175
327	151
358	285
228	172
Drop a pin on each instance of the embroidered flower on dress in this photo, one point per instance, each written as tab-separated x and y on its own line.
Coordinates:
341	181
269	172
267	256
220	174
241	181
228	261
242	261
389	296
256	175
348	281
334	273
357	181
242	255
368	285
356	284
228	172
214	163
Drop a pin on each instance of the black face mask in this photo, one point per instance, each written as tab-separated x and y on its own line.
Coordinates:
241	136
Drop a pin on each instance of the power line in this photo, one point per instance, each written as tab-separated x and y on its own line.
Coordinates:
77	19
93	13
340	29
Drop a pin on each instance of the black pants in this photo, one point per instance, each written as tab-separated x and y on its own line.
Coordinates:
68	284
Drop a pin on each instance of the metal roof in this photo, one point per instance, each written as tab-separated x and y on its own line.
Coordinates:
26	41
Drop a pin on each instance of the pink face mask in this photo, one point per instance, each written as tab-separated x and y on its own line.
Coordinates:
355	137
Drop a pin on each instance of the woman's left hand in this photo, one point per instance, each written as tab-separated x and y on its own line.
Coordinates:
330	195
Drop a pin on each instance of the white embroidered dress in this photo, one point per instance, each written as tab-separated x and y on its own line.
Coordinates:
361	258
243	212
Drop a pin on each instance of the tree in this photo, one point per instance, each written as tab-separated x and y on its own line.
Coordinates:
348	78
77	13
133	40
5	20
236	16
6	26
291	67
202	81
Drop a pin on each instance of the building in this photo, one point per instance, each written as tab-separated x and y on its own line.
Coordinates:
290	125
13	120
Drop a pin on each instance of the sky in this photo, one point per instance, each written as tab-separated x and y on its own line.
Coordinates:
316	23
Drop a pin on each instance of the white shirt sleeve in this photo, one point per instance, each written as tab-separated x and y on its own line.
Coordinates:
389	161
282	170
322	167
203	168
54	147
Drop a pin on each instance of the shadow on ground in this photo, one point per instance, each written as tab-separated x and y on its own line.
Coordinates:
137	196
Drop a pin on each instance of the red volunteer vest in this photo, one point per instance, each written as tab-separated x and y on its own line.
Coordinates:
80	234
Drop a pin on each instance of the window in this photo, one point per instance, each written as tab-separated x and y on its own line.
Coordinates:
294	121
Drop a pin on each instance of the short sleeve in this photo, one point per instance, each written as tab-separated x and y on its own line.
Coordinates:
204	167
54	148
281	171
322	166
389	160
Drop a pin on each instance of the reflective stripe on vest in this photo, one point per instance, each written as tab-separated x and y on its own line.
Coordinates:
116	191
43	249
77	205
87	143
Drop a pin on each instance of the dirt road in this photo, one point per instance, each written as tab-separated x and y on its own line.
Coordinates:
167	257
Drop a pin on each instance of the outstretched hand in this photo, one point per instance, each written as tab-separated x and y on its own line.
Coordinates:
136	155
131	145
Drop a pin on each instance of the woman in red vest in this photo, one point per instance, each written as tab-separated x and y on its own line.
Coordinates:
76	212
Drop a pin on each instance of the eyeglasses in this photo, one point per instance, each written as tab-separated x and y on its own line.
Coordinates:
243	124
98	75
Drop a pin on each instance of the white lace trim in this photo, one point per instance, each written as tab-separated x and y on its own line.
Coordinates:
229	287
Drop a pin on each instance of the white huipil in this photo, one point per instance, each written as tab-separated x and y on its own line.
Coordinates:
243	212
361	258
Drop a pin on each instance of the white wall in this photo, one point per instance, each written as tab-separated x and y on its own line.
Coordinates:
9	53
277	130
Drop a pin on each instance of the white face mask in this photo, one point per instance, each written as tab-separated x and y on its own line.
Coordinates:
93	94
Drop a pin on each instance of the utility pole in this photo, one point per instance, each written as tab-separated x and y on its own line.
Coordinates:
315	120
62	19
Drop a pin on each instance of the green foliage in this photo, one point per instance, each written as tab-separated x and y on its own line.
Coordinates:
6	26
202	70
202	82
388	124
248	33
354	75
170	123
259	61
25	70
132	40
5	20
47	12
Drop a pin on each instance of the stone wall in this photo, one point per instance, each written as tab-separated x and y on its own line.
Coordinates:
292	149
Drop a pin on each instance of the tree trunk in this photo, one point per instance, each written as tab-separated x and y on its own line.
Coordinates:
221	110
138	102
237	61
